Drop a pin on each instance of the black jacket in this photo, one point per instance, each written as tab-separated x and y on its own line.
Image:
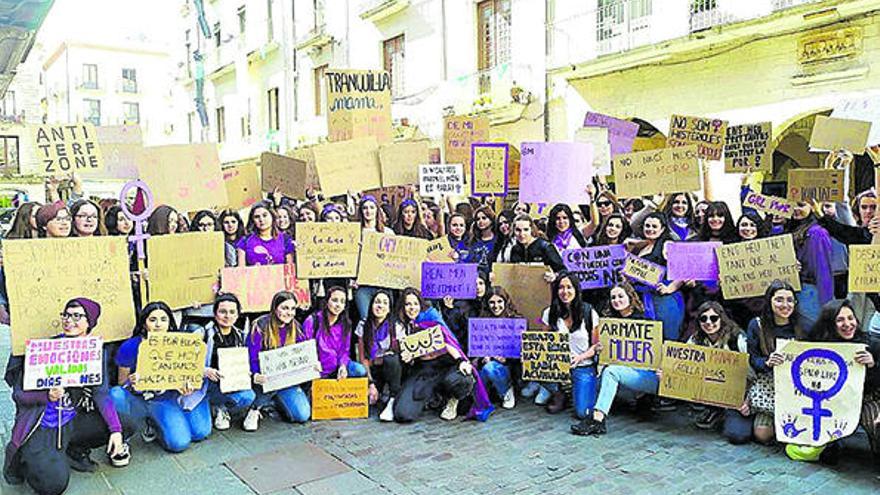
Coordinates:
539	251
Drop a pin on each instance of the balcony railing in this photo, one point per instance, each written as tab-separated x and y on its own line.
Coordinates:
316	37
494	88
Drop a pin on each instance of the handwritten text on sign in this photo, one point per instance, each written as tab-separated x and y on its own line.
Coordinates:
633	343
440	179
63	362
707	134
340	399
289	365
815	184
256	285
770	204
67	148
456	280
692	261
358	104
495	337
555	172
327	249
489	169
422	343
546	357
864	268
596	267
390	261
704	374
598	138
748	147
657	172
747	268
170	361
458	135
642	270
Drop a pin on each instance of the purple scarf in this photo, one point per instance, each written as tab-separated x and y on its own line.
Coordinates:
562	239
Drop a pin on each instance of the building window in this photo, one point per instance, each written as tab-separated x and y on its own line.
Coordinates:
270	28
493	17
8	109
274	115
90	76
221	124
188	54
132	112
129	81
92	111
320	89
246	122
242	19
9	153
393	57
190	125
217	34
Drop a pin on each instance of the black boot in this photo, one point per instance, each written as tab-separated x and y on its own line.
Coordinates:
79	460
582	428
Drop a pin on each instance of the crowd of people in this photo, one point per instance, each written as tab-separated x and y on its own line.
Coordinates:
357	329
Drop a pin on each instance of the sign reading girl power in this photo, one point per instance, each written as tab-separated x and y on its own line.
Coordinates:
63	363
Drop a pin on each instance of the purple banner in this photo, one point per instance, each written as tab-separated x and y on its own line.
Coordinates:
596	267
457	280
495	337
621	133
692	261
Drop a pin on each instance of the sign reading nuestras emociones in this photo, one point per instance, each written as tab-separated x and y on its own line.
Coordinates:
170	361
546	357
422	343
703	374
63	362
633	343
495	337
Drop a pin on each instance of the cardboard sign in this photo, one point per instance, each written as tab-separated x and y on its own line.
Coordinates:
400	162
546	357
692	261
358	105
185	176
747	147
422	343
393	262
489	169
348	166
459	133
62	149
122	147
596	267
621	133
527	288
63	362
864	268
496	337
831	134
170	361
704	374
633	343
242	185
747	268
307	155
866	109
327	250
657	172
555	172
340	399
643	271
286	174
457	280
290	365
235	369
184	267
43	274
707	134
441	179
256	285
822	185
770	204
440	251
818	392
598	138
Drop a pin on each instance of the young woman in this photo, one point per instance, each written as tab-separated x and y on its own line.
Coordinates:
25	224
372	219
532	249
409	221
700	214
276	329
498	371
504	237
631	207
117	222
483	238
433	216
331	330
457	312
55	429
718	225
458	236
561	230
308	212
679	211
164	220
332	213
88	219
751	226
178	419
54	220
263	245
867	224
812	246
233	230
378	350
204	221
614	230
285	220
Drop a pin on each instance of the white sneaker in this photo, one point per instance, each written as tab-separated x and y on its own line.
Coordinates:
252	420
388	413
148	434
221	421
509	399
450	412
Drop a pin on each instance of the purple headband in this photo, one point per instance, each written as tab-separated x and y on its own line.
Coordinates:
329	208
409	202
369	197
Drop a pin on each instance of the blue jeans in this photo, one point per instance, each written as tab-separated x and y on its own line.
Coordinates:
362	297
808	306
177	428
498	375
356	369
292	402
616	375
233	402
669	309
583	389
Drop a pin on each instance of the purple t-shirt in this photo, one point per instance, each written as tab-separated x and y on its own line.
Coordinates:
260	252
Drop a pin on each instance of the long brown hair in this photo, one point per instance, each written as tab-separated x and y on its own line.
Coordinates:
728	333
509	308
271	338
635	301
21	226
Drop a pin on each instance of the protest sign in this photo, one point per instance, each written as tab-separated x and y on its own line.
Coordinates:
393	262
63	362
657	172
422	343
546	357
818	391
340	399
621	133
643	271
284	173
441	179
62	149
121	149
832	134
692	261
808	184
184	267
633	343
306	155
234	366
555	172
43	274
243	187
170	361
400	162
864	268
704	374
440	251
496	337
256	285
459	133
865	108
707	134
327	249
185	176
290	365
747	147
770	204
348	166
527	288
358	105
596	267
456	280
489	169
598	137
747	268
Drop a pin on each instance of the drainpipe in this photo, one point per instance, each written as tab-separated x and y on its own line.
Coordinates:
443	37
546	73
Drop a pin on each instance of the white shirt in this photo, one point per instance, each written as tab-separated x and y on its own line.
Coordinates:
579	339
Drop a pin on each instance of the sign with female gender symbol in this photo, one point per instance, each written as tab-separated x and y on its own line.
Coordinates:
818	392
139	236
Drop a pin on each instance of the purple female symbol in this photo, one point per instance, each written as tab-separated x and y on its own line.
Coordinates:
139	236
816	411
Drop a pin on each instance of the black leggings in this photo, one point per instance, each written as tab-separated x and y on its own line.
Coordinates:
426	376
390	372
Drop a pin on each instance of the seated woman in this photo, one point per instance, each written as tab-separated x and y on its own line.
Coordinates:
179	416
55	429
331	329
456	312
496	370
378	338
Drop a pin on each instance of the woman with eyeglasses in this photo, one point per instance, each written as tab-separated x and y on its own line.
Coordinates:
264	244
88	219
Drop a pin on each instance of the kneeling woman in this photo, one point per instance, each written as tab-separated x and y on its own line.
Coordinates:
448	371
378	339
55	429
331	329
497	370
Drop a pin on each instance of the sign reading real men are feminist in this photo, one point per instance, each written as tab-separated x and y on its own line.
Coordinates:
633	343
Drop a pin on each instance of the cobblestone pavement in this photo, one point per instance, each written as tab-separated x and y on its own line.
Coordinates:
523	451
